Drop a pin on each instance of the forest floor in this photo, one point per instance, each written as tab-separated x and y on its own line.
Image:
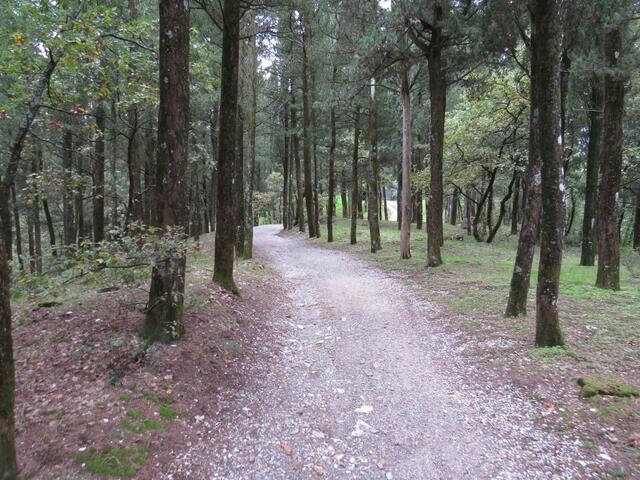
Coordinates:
329	365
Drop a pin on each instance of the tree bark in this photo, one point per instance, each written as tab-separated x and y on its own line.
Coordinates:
355	193
225	226
405	224
250	162
515	206
438	96
611	166
296	161
332	180
503	209
163	321
521	276
307	133
8	464
98	175
50	229
16	220
343	194
69	230
374	171
546	22
36	167
594	154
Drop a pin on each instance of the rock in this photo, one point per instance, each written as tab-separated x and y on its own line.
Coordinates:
366	409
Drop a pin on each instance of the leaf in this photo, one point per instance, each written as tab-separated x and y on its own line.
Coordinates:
286	448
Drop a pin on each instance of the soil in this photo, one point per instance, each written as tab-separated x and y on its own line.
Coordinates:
324	367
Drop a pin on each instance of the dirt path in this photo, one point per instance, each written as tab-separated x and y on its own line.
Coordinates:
362	385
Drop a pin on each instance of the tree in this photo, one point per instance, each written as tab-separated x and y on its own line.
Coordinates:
225	225
405	228
163	320
611	165
545	17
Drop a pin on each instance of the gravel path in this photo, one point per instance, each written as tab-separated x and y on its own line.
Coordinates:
361	385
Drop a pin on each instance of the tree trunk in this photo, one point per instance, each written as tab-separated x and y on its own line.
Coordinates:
79	201
135	211
16	220
98	175
150	175
332	180
250	162
453	220
8	464
213	133
114	170
521	276
285	161
405	224
296	161
50	229
36	167
594	153
546	22
69	229
611	165
438	96
373	204
480	206
306	124
343	194
163	320
384	200
515	206
355	194
238	180
636	223
225	226
503	209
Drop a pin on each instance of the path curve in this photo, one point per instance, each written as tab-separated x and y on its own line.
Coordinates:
363	386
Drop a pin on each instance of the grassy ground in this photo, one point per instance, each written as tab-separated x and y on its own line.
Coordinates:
601	327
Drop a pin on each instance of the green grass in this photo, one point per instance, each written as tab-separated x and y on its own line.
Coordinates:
168	413
142	426
114	462
474	282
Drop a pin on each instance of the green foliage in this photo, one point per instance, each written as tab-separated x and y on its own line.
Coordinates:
168	413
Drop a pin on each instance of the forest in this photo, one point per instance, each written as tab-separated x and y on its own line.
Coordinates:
320	238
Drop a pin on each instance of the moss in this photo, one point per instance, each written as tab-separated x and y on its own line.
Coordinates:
134	413
114	462
168	413
159	399
606	385
548	353
141	426
124	398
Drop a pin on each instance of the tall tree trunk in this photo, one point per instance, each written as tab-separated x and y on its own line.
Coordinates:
163	320
503	209
16	220
8	464
79	201
636	223
135	210
332	180
296	161
150	176
238	180
213	133
69	230
515	206
250	162
453	220
343	194
405	228
50	229
374	171
546	22
36	167
225	226
438	96
98	175
594	153
521	276
611	165
307	133
399	198
355	191
384	200
285	160
481	204
114	169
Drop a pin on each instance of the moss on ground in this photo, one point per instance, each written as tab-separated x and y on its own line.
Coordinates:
114	461
606	385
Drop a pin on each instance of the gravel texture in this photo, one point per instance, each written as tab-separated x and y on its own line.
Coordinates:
360	383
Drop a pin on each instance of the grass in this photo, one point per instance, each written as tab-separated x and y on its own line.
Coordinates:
114	462
474	283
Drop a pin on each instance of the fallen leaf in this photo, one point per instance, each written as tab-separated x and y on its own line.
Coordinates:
286	448
320	471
